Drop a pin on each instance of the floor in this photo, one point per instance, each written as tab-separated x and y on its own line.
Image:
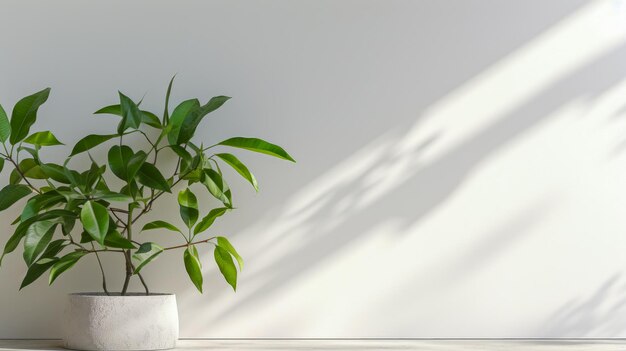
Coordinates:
420	345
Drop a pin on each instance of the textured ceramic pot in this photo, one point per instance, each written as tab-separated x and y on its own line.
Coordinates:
95	321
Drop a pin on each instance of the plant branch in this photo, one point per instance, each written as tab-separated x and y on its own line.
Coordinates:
4	146
149	205
103	250
117	217
143	282
148	139
19	171
127	258
75	243
104	279
186	245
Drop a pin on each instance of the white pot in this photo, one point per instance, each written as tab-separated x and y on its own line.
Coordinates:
95	321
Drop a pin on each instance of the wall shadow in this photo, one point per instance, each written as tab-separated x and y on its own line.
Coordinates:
427	185
597	314
346	213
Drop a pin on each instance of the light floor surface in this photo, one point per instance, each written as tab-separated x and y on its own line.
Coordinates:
349	345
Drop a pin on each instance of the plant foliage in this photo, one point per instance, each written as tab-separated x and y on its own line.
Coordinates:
68	213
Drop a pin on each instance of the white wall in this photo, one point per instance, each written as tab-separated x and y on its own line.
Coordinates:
462	164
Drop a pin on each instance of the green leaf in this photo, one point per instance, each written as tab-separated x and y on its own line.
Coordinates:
30	150
70	194
124	162
193	176
258	145
71	175
116	240
135	163
193	266
53	249
213	104
31	169
132	189
12	243
5	126
25	114
131	115
150	176
43	139
1	164
95	220
66	262
188	207
110	110
89	142
177	119
146	253
118	157
67	225
160	225
226	265
195	116
102	185
90	177
197	149
187	198
227	194
36	173
182	153
151	119
40	202
11	193
147	117
55	172
85	237
37	270
226	245
208	220
166	113
15	177
57	215
16	221
21	229
112	196
215	185
240	168
37	238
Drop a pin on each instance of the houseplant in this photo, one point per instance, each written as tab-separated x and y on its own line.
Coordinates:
72	214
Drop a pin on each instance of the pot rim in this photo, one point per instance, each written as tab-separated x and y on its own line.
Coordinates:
118	295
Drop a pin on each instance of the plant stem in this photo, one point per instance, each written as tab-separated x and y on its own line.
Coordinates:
19	171
185	245
149	141
128	273
116	216
128	229
104	279
127	258
75	243
149	206
143	282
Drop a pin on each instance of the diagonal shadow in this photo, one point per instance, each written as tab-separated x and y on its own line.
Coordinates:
446	274
340	233
597	314
429	186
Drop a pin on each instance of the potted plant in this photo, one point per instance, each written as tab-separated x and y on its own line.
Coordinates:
71	214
